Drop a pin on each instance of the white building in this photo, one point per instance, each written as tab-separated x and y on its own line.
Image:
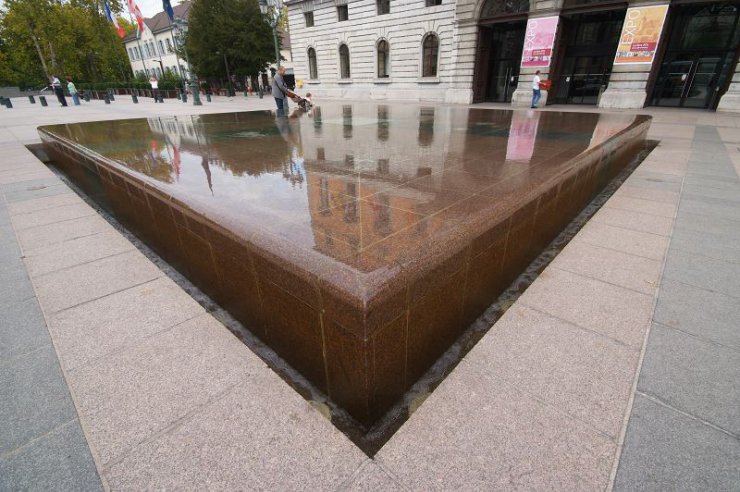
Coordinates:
153	50
686	53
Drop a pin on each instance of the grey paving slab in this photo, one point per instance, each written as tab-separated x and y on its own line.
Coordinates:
726	228
653	183
603	308
647	194
731	192
580	372
30	185
59	460
39	237
635	221
647	245
43	203
104	326
372	477
711	206
703	272
15	286
34	398
41	261
82	283
694	376
130	395
706	244
650	207
476	432
243	442
22	329
54	215
708	182
665	450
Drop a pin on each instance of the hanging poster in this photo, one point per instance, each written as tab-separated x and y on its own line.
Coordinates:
640	34
538	41
522	135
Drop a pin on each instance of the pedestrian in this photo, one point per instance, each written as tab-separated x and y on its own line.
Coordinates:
73	91
56	85
280	91
536	94
155	87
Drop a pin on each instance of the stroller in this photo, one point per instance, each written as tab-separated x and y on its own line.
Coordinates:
303	102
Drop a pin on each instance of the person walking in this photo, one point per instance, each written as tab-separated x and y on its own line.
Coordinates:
155	87
56	85
536	93
280	91
73	91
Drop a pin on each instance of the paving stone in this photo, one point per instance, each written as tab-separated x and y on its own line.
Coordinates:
30	185
708	182
7	178
613	311
705	273
15	286
665	450
106	325
710	206
703	313
242	441
59	460
130	395
22	329
647	194
34	398
634	221
643	206
76	252
731	192
37	192
82	283
54	215
626	270
655	177
476	432
580	372
694	376
726	228
653	183
43	236
372	478
706	244
43	203
637	243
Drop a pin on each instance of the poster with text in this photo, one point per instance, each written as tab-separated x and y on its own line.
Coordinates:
538	42
640	34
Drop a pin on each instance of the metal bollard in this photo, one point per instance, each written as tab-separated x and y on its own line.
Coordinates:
261	93
87	96
184	97
208	97
43	101
161	98
32	99
8	104
106	99
179	95
111	96
134	99
246	93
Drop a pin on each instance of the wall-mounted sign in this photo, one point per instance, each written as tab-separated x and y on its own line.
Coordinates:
538	41
640	34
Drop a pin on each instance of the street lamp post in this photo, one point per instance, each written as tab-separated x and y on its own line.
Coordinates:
273	13
179	23
161	65
228	76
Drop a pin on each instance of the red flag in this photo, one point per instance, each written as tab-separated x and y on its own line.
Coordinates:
134	9
113	20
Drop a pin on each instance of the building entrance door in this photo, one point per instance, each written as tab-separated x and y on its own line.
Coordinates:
701	52
499	57
589	47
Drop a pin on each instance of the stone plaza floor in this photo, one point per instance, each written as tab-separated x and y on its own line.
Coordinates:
617	369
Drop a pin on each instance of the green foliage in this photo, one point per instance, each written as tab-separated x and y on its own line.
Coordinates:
170	80
228	31
39	38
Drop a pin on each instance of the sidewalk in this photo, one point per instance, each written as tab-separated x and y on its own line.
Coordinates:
618	367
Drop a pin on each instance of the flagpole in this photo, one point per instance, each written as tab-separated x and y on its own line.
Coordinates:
138	43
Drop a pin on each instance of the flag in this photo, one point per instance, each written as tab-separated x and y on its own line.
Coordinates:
134	9
167	6
113	20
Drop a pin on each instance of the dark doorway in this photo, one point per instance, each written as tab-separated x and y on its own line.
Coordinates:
590	43
499	57
702	49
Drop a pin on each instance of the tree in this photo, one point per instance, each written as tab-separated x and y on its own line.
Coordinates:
39	38
231	32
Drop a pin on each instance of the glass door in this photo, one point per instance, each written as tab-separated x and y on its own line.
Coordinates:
672	81
703	83
505	57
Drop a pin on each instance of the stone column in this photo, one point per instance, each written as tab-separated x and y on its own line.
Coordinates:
522	96
465	40
730	101
628	82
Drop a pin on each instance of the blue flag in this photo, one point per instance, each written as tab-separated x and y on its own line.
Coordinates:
167	6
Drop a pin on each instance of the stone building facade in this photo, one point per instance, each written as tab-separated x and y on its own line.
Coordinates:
380	49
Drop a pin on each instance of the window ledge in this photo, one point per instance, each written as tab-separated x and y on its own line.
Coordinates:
384	80
344	81
428	80
312	81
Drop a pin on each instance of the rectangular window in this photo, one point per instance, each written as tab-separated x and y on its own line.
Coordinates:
342	13
309	18
169	45
384	7
161	47
432	3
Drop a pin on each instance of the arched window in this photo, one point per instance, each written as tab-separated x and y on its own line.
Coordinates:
498	8
430	53
344	72
313	69
383	52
